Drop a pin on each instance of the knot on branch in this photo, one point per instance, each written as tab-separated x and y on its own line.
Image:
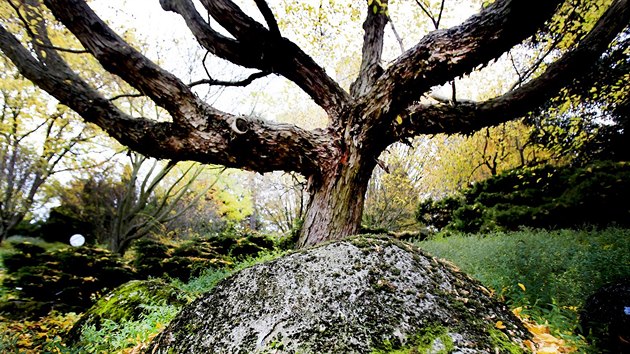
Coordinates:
239	125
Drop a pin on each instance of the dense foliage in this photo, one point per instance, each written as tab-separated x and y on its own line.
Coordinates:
70	279
67	279
589	118
544	197
190	258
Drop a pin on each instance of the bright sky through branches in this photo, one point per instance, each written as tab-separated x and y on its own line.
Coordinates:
169	42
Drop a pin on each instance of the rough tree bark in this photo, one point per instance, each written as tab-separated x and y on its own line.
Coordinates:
382	107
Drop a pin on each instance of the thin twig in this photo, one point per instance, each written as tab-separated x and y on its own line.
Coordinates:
516	70
203	63
437	25
60	49
428	13
241	83
398	38
536	64
124	95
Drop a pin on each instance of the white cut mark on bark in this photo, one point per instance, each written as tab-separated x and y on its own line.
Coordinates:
239	125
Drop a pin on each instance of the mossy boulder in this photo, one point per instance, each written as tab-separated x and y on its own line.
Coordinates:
126	303
365	294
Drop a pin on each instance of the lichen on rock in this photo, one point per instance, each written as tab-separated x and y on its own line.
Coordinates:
364	294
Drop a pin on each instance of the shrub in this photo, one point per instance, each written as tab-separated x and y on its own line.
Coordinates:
130	302
67	279
190	258
543	197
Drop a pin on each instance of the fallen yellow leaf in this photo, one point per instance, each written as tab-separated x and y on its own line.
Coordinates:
537	329
548	349
517	311
548	338
499	325
529	344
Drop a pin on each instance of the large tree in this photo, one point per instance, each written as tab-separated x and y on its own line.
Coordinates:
383	104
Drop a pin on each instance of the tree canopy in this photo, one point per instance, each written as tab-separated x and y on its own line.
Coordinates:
386	102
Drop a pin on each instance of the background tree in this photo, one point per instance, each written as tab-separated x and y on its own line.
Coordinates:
37	142
86	206
394	189
208	211
457	161
383	105
142	208
282	200
116	211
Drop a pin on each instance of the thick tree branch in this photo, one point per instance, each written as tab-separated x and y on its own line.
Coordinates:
444	54
216	43
259	48
257	145
234	20
374	28
120	58
468	117
268	16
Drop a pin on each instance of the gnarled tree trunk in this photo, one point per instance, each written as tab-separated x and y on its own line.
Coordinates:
336	201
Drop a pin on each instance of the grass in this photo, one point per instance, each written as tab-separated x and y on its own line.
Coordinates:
549	274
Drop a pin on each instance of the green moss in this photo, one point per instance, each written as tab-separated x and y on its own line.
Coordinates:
431	337
127	303
502	342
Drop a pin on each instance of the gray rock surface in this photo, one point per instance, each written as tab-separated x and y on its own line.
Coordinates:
359	295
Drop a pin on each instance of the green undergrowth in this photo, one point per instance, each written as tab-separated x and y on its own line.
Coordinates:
549	274
210	277
125	335
114	337
503	343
